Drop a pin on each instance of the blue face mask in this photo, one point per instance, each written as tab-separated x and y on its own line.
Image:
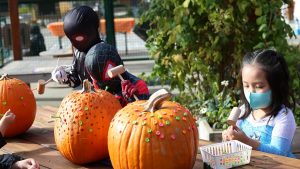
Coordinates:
259	100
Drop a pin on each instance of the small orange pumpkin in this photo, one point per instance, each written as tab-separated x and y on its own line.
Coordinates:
82	123
18	97
161	136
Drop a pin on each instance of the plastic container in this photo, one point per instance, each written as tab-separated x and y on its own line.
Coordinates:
226	154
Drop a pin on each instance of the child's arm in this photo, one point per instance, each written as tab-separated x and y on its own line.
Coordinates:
7	160
140	89
134	85
282	134
68	74
29	163
280	146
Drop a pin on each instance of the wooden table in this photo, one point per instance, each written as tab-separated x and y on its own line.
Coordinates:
263	160
38	143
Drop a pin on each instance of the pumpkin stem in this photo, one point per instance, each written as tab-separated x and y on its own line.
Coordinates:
86	86
4	76
155	100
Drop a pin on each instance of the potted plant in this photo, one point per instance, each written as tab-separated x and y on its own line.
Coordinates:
212	113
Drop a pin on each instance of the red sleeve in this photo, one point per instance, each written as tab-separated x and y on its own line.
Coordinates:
142	87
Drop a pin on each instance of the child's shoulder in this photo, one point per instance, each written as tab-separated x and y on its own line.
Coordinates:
285	114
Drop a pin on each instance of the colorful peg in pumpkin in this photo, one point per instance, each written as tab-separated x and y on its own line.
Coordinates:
234	115
117	71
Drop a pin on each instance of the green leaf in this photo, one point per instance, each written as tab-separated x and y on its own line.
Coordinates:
191	21
261	20
186	3
258	11
260	45
242	5
264	35
262	27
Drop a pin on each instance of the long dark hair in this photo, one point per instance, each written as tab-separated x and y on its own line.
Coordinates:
277	74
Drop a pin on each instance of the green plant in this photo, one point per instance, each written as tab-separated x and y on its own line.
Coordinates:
216	109
197	44
293	62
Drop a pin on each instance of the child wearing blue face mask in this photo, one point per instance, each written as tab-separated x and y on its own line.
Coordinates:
266	123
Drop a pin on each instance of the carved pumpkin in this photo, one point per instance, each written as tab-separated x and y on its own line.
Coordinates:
163	135
82	123
18	97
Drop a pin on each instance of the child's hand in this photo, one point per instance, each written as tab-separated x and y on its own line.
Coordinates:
225	136
128	89
7	119
26	164
59	74
234	133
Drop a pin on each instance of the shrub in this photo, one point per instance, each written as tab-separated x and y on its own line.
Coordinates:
197	44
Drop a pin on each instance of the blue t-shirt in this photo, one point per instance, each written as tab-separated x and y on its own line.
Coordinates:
274	134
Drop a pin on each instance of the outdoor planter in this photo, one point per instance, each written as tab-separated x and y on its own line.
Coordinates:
208	133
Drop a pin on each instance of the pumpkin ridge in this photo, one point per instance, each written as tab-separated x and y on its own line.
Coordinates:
193	134
163	145
127	127
182	127
143	134
119	145
131	140
70	141
135	148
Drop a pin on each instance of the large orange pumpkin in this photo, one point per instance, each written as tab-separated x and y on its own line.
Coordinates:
164	136
18	97
82	123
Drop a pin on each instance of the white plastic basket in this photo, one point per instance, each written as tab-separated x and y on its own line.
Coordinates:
226	154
